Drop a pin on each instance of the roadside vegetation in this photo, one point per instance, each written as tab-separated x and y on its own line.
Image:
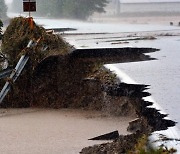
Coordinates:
3	9
80	9
141	147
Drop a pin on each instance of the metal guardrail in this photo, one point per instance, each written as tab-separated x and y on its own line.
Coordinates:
5	73
13	76
16	72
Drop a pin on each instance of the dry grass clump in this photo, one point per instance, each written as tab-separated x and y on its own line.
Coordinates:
19	33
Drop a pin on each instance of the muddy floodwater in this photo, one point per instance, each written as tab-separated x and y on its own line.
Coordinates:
54	131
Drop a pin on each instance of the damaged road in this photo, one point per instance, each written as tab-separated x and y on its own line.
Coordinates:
71	78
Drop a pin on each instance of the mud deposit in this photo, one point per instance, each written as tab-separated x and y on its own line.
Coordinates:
54	131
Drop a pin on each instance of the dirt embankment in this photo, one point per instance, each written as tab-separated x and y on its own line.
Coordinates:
61	78
149	120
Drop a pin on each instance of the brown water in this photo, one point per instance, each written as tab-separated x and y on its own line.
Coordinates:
42	131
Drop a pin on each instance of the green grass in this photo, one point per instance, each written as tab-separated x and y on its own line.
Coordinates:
141	148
